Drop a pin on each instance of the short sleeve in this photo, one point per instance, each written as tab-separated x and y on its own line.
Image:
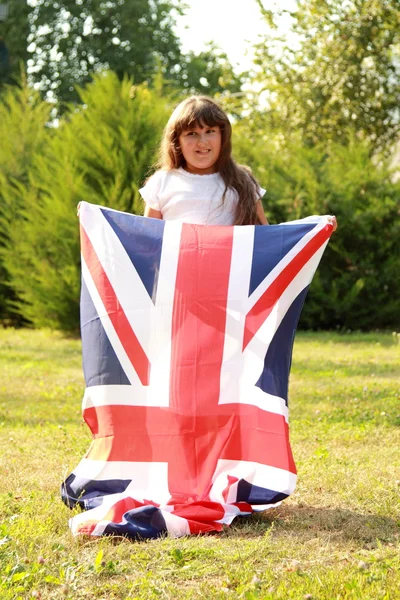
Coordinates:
260	192
150	192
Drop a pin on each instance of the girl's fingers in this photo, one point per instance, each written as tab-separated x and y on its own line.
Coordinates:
334	222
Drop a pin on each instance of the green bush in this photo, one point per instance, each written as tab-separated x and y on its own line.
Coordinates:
23	134
99	153
357	284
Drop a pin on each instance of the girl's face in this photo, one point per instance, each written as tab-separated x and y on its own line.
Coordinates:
200	147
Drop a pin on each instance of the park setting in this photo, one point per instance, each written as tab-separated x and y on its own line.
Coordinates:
86	90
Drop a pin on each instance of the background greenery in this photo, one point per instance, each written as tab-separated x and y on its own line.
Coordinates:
321	133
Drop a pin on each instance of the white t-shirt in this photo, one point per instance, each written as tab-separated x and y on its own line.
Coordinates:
191	198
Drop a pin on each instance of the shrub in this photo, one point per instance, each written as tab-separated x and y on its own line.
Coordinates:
356	285
23	133
100	153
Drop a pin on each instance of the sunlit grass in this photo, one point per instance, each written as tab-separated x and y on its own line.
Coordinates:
337	537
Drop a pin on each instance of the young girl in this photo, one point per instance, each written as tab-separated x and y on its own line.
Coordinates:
198	181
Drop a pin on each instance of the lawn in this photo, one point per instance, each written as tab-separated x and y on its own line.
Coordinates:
337	537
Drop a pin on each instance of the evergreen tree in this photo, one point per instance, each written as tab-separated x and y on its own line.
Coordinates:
100	153
23	134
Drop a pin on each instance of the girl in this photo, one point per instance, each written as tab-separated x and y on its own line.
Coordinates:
198	181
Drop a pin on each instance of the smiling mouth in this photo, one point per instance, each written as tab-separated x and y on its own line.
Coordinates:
203	151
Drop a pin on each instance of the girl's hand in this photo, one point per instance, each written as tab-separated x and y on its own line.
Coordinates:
152	213
334	222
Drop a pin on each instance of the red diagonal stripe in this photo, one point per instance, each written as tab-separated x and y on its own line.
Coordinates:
263	307
115	312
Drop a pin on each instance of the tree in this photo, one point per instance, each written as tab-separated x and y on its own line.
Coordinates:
339	71
100	153
23	134
208	72
72	39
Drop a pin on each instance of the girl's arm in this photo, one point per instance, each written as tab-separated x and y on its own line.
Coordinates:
260	213
152	212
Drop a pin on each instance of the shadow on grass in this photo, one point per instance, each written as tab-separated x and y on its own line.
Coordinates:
299	525
306	522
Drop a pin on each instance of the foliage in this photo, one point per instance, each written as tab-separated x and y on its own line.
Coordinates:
337	73
23	134
208	72
337	537
100	153
317	138
356	285
329	116
71	40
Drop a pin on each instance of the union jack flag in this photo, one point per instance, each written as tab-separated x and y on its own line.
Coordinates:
187	335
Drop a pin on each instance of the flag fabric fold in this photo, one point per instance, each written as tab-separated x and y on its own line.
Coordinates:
187	336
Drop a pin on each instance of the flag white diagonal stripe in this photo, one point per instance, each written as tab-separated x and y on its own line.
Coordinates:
119	349
125	280
249	364
279	480
258	346
147	477
265	283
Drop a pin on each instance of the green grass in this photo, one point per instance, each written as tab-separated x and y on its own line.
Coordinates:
337	537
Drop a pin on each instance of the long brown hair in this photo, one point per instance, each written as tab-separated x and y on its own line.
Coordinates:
204	111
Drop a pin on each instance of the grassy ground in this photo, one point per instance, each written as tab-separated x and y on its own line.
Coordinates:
337	537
